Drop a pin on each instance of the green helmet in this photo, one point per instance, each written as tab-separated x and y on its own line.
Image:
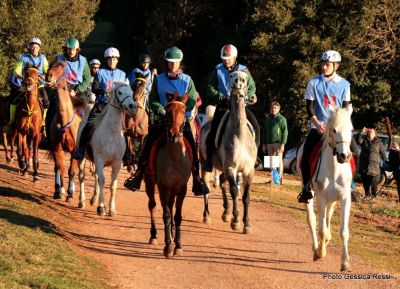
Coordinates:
71	42
173	54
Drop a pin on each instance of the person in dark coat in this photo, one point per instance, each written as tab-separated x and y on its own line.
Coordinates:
372	151
394	161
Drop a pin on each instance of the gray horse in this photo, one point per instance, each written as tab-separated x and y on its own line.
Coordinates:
236	153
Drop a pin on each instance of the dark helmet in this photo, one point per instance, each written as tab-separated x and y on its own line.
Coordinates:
144	58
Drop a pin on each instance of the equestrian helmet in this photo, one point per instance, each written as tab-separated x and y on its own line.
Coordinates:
94	62
71	42
173	54
331	56
144	58
228	51
111	52
35	40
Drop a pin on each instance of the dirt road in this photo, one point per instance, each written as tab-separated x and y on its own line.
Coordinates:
276	255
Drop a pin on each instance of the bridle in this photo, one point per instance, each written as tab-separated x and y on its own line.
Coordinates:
120	103
170	137
333	143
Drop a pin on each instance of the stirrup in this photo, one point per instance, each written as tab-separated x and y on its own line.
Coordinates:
133	183
199	187
305	196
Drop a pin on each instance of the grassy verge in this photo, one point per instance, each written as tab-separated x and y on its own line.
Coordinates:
33	254
374	225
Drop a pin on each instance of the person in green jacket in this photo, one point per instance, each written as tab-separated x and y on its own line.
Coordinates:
275	134
218	92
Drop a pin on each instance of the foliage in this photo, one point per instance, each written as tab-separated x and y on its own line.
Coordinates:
51	21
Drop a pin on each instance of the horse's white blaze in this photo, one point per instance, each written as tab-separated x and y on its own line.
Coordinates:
332	182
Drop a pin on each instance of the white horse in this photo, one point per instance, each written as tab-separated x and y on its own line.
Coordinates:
107	145
332	182
237	152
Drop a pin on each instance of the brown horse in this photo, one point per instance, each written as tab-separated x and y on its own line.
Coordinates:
172	172
136	127
63	131
7	130
28	122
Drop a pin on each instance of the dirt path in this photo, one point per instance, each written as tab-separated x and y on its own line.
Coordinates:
276	255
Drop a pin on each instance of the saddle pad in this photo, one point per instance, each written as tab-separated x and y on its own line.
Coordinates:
221	128
156	147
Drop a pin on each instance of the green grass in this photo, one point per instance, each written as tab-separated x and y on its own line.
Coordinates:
34	254
373	233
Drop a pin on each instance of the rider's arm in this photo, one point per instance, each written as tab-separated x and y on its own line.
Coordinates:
45	65
154	99
18	68
212	92
86	79
192	100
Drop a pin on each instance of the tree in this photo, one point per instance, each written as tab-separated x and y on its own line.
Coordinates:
51	21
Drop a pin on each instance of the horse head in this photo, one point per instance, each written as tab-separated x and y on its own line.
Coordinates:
175	115
31	78
340	132
238	85
122	95
56	73
140	88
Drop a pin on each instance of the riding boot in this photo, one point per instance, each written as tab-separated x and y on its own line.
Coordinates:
256	127
199	187
79	154
305	195
13	110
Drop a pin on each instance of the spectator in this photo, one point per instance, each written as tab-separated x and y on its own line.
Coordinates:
372	151
394	161
275	134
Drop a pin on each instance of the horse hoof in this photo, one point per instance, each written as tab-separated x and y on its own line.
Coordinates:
315	256
9	160
92	201
226	218
81	205
235	225
112	213
247	230
168	253
36	178
207	220
345	267
57	196
153	241
101	211
69	198
178	251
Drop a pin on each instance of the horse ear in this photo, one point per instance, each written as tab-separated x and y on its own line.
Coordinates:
331	108
349	108
170	96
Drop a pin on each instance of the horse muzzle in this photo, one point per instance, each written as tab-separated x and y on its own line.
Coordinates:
130	109
343	158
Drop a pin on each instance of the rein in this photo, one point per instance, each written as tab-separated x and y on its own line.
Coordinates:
62	129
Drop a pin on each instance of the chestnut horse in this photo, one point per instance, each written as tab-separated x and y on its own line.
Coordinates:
63	131
136	126
28	123
7	129
172	172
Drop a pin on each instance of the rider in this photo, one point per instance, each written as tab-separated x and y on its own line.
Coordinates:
218	91
102	85
94	66
33	58
144	70
322	90
172	81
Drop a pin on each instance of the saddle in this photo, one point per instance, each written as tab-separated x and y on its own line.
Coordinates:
156	147
315	156
222	126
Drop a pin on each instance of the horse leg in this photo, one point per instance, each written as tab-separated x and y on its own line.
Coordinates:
330	210
345	204
29	159
323	230
81	176
246	201
178	220
101	210
26	154
20	153
312	225
58	156
114	177
5	145
150	186
73	165
36	141
226	215
206	214
167	216
233	189
95	198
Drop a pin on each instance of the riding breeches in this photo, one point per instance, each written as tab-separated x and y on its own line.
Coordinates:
311	141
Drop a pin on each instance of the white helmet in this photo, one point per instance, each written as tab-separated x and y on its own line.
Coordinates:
35	40
94	62
228	51
111	52
331	56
